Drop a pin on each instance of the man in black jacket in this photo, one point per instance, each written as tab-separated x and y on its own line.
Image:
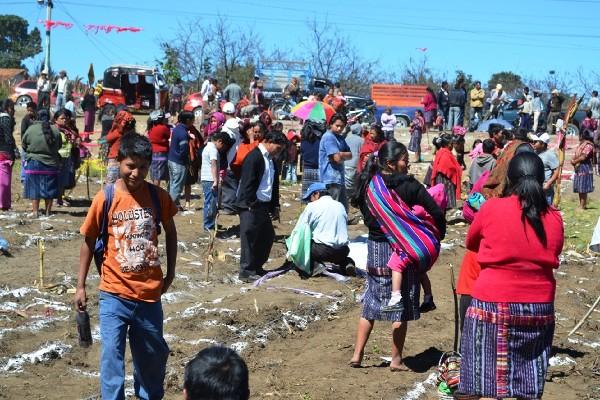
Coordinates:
257	199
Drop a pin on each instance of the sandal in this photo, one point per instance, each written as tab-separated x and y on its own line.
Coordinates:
355	364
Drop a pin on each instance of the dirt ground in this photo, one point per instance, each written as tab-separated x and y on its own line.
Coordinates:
297	343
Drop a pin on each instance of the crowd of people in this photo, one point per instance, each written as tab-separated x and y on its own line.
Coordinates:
507	291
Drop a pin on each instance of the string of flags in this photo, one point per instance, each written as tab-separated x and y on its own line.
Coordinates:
94	28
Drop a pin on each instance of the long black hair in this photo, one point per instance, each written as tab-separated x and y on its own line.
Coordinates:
391	151
525	180
43	117
442	141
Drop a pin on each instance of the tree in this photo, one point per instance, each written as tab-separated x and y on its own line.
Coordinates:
511	82
170	63
417	72
16	44
333	56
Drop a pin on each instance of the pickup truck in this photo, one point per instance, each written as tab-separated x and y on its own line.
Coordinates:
277	74
511	114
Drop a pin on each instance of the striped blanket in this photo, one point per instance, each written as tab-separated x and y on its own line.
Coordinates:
412	239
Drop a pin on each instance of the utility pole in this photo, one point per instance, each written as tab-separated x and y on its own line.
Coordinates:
49	6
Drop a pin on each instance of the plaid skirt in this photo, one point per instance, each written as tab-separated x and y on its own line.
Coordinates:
449	189
415	141
159	169
41	181
309	176
505	349
583	180
379	287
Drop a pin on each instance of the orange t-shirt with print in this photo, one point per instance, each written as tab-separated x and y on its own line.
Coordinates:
131	267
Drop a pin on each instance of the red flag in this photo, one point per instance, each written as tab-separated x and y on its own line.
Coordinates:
49	24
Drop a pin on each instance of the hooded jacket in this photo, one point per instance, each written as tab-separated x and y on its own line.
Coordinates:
482	163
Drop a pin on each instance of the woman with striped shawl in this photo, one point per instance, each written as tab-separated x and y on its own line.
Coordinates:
389	167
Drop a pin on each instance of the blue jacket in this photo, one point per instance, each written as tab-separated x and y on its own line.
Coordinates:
179	148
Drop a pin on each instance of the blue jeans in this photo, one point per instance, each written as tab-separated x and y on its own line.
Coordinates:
290	172
453	117
60	101
177	175
210	205
549	196
144	322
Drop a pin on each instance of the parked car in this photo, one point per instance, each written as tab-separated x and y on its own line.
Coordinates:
138	88
26	91
511	114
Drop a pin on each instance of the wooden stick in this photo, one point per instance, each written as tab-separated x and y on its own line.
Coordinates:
211	245
585	317
456	318
87	177
42	250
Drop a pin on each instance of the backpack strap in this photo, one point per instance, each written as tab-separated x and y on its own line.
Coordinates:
155	206
109	194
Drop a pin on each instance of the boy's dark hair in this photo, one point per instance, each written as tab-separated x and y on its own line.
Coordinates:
276	138
488	146
277	126
32	105
134	145
216	373
185	116
222	136
337	117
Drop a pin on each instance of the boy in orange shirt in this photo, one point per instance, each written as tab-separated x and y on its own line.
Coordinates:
131	281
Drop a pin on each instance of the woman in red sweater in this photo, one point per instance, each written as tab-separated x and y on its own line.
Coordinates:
508	328
446	169
159	134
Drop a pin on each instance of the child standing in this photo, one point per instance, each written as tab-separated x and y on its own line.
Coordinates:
417	127
291	156
131	281
209	177
446	169
483	162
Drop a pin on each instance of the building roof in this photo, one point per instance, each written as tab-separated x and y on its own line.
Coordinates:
10	73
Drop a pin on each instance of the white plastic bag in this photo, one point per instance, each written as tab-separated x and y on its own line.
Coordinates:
595	243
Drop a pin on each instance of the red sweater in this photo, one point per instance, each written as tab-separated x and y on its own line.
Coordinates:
515	266
159	137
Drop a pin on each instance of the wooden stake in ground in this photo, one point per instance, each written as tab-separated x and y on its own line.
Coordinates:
42	250
211	245
456	318
87	178
585	317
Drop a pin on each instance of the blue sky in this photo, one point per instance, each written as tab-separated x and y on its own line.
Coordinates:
529	37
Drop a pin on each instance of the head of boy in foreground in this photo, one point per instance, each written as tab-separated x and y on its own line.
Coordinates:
135	156
216	373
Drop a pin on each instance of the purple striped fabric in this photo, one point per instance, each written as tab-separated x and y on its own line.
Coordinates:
408	235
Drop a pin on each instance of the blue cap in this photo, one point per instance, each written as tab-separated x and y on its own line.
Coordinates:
315	187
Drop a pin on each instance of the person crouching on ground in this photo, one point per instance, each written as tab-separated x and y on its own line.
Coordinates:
216	373
131	281
390	159
327	220
258	201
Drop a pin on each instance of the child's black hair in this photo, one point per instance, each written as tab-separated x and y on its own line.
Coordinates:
134	145
336	117
222	136
476	142
391	151
276	138
216	373
442	141
185	116
488	146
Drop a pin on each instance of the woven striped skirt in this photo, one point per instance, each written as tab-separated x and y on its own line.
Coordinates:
41	181
449	189
379	287
583	180
159	169
415	141
309	176
505	349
